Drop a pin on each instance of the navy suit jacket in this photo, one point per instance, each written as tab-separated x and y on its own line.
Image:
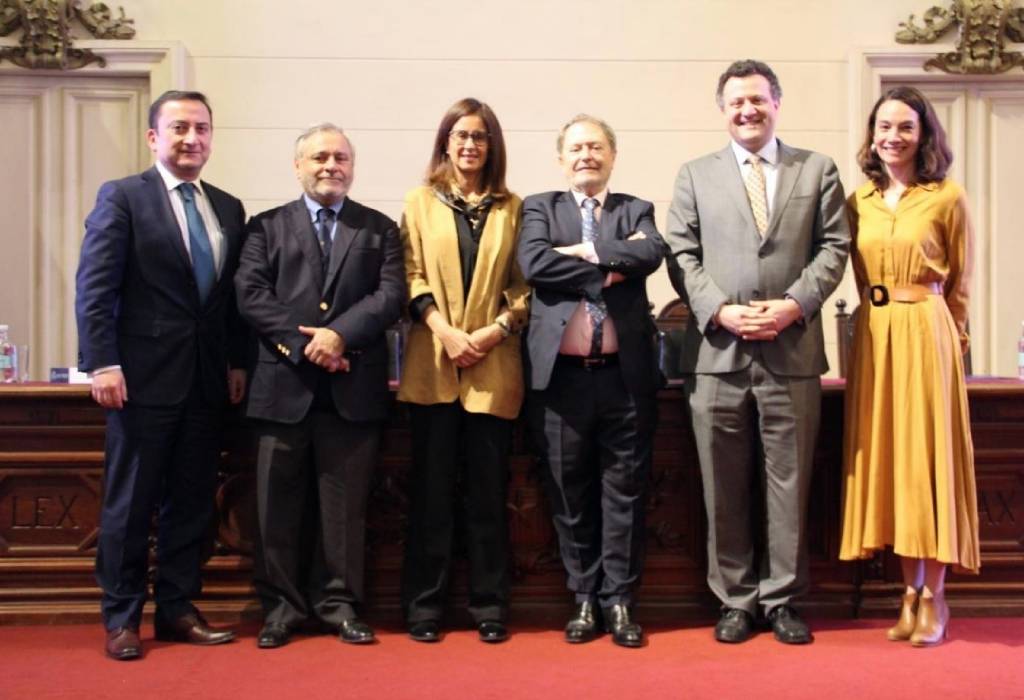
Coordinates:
281	285
552	219
137	303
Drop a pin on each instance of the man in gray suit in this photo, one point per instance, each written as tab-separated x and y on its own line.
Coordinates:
758	241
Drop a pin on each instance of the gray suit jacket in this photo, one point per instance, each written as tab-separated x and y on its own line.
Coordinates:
718	257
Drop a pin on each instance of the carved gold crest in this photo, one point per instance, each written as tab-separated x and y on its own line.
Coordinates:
46	40
983	28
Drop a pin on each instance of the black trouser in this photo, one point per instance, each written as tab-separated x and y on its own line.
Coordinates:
321	464
156	457
454	448
595	442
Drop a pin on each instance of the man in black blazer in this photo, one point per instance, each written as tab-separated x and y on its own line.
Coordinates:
591	373
321	280
160	335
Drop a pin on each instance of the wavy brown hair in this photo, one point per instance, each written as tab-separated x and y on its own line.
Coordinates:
440	170
933	153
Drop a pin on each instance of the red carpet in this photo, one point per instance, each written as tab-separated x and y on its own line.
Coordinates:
984	658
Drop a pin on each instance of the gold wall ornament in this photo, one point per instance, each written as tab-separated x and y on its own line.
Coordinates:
46	40
984	27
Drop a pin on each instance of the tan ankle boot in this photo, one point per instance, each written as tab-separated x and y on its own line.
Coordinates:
932	618
904	627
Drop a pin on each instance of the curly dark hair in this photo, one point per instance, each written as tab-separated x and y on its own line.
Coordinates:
439	171
744	68
933	153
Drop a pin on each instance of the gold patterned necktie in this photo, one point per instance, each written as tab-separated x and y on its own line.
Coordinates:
756	193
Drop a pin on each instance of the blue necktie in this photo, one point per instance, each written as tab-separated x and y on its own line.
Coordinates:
203	266
597	310
325	217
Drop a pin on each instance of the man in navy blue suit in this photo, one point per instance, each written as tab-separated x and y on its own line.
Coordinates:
160	335
589	360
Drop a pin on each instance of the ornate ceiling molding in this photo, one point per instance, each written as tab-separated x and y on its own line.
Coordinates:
46	26
983	28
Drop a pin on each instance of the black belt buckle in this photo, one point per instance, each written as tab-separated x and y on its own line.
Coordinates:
594	362
879	295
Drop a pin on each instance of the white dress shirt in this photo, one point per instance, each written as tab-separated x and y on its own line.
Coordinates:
205	211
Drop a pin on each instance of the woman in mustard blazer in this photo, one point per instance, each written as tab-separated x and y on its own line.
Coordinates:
462	375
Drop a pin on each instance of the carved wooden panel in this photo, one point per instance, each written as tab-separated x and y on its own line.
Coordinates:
50	466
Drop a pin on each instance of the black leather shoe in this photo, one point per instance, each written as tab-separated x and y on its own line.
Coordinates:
492	631
123	644
273	635
191	629
355	632
625	633
582	627
425	631
734	626
788	627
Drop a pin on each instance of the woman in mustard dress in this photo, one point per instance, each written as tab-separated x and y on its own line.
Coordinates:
908	473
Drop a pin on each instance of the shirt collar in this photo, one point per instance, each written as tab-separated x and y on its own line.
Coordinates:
600	197
314	206
926	186
171	181
769	153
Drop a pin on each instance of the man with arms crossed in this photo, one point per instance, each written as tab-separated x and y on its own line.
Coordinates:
321	279
759	240
591	373
159	332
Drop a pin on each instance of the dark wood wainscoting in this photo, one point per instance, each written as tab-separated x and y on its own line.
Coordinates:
51	458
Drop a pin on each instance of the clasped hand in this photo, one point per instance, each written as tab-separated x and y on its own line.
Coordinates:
466	349
759	320
325	348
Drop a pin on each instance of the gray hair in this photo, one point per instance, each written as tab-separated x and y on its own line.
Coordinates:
600	123
322	127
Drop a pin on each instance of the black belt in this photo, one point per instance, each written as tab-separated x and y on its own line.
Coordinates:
590	362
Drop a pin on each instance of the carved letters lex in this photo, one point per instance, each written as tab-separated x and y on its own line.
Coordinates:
43	513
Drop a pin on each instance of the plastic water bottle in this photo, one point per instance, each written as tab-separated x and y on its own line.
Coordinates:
8	362
1020	353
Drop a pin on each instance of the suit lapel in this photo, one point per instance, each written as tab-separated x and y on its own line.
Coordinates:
490	248
570	222
607	225
301	227
789	173
345	231
169	229
232	238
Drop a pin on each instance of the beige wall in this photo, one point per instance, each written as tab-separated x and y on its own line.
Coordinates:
386	70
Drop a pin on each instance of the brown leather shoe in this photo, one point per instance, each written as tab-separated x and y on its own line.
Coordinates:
123	644
191	629
932	618
904	627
